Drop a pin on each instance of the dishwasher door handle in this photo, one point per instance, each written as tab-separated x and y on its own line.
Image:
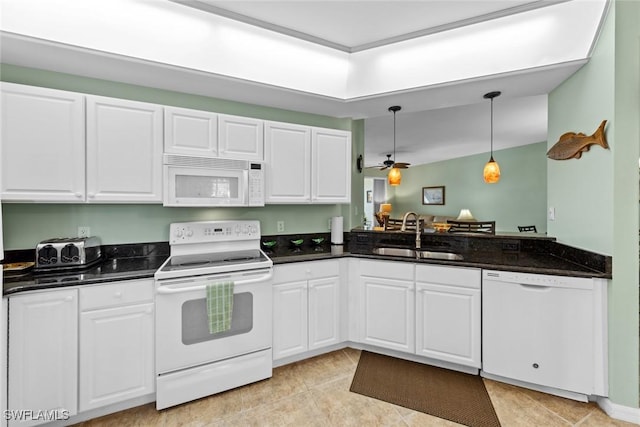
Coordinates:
536	287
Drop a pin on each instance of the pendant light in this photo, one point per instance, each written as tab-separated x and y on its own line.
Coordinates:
394	177
491	172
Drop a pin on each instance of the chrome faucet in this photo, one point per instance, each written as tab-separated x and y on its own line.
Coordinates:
404	227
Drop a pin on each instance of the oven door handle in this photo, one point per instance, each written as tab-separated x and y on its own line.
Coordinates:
168	289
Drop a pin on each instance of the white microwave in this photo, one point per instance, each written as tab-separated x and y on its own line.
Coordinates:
204	181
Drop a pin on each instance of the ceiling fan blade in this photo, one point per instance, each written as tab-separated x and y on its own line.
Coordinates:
383	168
401	165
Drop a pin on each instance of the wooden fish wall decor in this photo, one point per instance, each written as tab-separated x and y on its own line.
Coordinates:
571	145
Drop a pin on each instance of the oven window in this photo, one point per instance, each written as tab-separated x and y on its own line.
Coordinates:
216	187
195	321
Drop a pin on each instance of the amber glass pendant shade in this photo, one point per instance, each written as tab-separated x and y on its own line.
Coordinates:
395	177
491	172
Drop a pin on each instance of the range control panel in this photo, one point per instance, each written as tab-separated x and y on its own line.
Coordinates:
213	231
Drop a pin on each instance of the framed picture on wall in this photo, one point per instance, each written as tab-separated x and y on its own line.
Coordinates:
433	195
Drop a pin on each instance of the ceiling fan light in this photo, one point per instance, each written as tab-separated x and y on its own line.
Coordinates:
395	177
491	172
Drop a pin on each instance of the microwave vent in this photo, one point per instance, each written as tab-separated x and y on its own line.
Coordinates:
204	162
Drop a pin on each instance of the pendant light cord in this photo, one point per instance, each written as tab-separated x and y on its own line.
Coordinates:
491	129
394	137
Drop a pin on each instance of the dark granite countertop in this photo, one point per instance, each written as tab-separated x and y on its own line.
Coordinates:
120	262
522	253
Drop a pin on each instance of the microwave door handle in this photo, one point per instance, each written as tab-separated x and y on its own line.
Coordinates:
167	289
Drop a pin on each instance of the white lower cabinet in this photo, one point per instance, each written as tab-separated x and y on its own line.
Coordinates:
116	343
427	310
386	304
43	356
73	350
306	307
448	309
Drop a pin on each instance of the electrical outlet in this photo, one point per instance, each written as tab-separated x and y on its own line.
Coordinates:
280	226
84	231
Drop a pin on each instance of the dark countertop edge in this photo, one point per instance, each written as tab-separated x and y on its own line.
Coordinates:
280	260
142	274
523	269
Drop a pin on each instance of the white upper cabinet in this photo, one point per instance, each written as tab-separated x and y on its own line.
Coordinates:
307	165
43	151
288	163
240	138
124	151
331	166
190	132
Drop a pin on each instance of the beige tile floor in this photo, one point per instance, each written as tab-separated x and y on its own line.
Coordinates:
315	392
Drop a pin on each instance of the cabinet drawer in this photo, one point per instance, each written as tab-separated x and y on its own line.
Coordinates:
387	269
305	271
116	294
453	276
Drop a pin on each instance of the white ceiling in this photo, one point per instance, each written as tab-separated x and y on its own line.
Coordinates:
439	120
359	24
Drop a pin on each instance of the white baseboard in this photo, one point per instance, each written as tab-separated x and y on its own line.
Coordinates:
619	412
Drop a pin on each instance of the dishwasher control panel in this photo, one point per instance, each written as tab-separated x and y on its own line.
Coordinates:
542	280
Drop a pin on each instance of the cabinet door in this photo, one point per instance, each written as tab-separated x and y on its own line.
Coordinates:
116	355
43	150
290	334
190	132
43	352
387	313
241	138
331	166
124	151
288	162
324	312
448	323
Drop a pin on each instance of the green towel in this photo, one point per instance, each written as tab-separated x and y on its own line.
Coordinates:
219	306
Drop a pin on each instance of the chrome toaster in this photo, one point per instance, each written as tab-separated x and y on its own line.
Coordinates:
68	252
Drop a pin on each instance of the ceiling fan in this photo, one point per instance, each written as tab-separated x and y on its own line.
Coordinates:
392	163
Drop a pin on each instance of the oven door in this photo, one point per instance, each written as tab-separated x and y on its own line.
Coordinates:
182	334
192	186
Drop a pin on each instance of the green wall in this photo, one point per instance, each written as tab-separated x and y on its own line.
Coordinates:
596	197
26	224
519	198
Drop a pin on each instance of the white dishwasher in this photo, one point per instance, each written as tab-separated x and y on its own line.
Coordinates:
545	330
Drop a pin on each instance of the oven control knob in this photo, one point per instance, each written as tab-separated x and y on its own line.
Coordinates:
178	233
189	232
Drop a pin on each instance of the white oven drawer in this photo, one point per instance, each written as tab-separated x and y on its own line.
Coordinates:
183	386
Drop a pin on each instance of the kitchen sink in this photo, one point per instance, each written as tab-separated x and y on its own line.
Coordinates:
411	253
407	253
439	255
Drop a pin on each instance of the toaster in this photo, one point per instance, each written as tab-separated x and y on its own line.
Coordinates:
69	252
